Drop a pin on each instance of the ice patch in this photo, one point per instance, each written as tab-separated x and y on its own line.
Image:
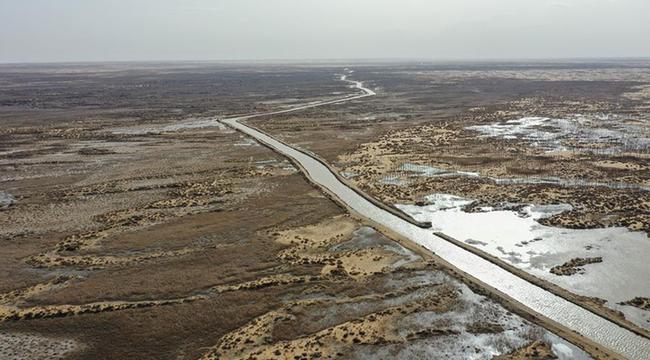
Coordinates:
445	201
430	171
545	211
6	199
575	133
404	172
563	351
517	237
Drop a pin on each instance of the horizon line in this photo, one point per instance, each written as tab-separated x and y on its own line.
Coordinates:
336	60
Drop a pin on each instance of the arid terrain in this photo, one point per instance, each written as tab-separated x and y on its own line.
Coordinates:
570	141
133	224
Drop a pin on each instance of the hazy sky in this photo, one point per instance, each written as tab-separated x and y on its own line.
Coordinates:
96	30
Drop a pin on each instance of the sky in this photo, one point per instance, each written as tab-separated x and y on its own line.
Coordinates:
154	30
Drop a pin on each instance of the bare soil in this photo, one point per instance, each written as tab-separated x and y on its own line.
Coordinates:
127	239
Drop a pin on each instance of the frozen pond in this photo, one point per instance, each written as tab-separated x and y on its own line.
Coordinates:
516	237
577	133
